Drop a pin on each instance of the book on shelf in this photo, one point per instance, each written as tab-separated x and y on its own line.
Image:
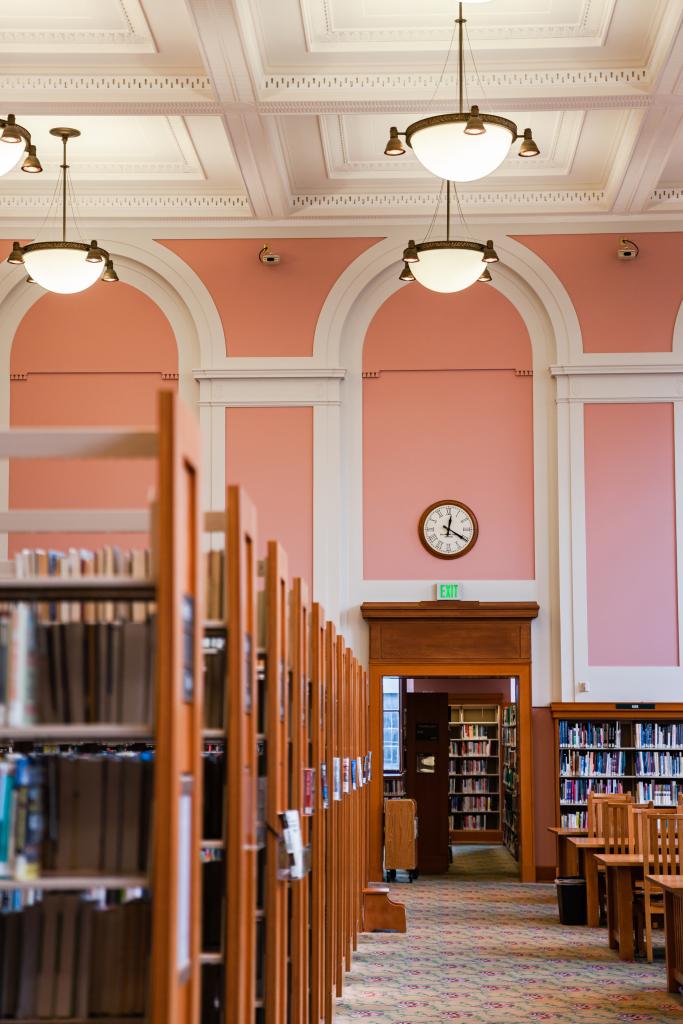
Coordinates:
75	814
215	664
590	734
394	786
593	762
577	790
214	587
71	956
77	662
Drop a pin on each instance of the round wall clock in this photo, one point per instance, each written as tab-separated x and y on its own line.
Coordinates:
448	529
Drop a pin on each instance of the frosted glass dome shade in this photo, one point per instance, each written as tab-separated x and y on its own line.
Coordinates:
443	148
448	266
10	155
61	266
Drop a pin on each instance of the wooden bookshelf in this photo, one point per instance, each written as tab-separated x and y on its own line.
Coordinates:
510	777
474	773
172	881
603	748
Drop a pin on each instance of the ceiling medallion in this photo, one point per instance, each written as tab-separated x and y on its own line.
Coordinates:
465	146
64	267
449	265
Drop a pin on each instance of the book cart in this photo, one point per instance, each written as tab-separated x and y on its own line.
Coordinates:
154	911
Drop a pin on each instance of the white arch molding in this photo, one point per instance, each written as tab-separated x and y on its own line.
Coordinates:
181	296
554	333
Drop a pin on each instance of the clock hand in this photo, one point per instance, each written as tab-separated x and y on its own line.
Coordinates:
454	532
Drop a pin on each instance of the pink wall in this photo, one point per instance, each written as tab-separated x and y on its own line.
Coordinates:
270	453
544	785
93	359
269	311
631	535
621	306
448	416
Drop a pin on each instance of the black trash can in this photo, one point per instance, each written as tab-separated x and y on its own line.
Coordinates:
571	900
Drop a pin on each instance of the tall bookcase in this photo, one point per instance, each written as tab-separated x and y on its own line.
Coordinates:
616	748
474	773
510	778
169	882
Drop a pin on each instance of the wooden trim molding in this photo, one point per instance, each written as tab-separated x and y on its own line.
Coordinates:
452	638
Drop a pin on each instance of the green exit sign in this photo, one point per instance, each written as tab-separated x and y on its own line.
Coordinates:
448	591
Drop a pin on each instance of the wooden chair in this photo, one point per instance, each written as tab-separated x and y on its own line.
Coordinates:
596	804
662	835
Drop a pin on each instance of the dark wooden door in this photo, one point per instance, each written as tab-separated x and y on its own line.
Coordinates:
427	776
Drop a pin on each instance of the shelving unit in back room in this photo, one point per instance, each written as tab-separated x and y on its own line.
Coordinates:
474	770
510	780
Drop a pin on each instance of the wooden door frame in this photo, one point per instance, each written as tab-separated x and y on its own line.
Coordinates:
415	669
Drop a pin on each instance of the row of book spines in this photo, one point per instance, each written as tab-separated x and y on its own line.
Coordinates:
598	734
74	815
472	748
475	732
74	672
578	789
473	785
474	803
66	957
510	715
468	822
655	734
465	767
593	763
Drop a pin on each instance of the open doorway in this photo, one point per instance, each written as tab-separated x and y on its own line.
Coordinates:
451	744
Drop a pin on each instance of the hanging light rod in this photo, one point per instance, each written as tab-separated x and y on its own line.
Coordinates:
450	265
466	145
15	142
62	266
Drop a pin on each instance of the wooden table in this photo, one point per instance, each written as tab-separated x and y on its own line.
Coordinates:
586	848
622	870
673	924
566	856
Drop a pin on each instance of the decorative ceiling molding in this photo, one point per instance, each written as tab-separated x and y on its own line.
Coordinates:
499	201
670	196
133	35
146	205
589	27
92	89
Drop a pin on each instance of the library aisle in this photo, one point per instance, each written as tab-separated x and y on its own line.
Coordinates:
493	953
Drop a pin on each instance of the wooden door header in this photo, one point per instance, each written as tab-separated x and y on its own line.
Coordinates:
433	632
449	610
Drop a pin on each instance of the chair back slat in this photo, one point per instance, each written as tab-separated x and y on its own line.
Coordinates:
619	826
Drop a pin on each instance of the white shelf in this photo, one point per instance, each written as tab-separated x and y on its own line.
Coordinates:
78	733
212	844
62	883
209	958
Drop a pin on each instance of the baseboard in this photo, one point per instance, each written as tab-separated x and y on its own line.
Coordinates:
545	873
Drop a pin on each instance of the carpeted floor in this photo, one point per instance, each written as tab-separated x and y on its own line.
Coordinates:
493	952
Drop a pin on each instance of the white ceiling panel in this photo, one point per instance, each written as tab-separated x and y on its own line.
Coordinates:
79	26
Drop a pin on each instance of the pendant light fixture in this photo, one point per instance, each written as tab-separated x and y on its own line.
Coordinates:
15	142
450	265
465	146
64	267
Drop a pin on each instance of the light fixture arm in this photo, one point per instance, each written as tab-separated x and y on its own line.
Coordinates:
448	211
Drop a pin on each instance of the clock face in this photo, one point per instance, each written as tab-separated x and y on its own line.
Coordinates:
448	529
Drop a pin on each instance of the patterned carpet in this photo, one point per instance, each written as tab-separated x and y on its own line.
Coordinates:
493	952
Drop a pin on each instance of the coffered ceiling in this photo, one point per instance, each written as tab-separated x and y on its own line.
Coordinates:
220	113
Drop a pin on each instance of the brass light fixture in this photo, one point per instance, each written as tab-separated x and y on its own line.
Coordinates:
64	267
15	142
449	265
465	146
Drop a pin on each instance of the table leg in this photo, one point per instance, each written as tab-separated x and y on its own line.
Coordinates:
670	910
624	902
590	866
560	847
612	922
